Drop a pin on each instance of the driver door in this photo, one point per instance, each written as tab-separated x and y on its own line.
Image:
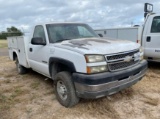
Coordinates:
37	54
152	38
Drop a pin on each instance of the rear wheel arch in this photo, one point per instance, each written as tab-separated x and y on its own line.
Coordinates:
15	56
21	69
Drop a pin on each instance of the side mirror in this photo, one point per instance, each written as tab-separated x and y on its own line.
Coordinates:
148	7
100	35
38	41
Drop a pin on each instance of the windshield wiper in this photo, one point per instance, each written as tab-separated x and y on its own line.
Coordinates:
61	40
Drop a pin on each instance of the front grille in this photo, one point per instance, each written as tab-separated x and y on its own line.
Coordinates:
121	65
120	56
117	62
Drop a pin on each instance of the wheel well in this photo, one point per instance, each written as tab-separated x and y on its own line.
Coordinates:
58	67
14	56
59	64
62	67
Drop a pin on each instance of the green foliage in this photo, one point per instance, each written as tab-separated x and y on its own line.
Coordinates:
12	31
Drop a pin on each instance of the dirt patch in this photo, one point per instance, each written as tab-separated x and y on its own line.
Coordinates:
4	52
3	48
30	96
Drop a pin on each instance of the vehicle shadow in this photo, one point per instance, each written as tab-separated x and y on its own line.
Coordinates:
154	65
41	77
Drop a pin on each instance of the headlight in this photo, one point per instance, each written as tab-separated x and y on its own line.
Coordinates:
96	69
141	53
94	58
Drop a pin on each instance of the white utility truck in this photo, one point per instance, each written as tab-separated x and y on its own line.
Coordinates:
82	64
147	35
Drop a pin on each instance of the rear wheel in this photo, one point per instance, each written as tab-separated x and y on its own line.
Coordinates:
65	91
20	68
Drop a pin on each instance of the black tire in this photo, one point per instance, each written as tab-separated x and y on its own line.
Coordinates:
65	79
20	68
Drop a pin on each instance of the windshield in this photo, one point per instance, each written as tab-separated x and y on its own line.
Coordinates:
61	32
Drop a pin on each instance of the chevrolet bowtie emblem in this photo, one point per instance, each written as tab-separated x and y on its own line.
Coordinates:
128	58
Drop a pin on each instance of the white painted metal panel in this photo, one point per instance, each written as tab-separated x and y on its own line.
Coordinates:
12	46
13	42
128	34
151	39
21	52
112	33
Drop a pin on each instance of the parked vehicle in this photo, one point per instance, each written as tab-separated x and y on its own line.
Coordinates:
82	64
147	35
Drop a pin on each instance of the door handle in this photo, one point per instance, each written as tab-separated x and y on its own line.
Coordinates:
148	39
30	49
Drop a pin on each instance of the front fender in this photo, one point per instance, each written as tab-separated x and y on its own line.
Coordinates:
65	62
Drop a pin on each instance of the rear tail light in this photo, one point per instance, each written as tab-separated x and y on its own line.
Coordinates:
138	41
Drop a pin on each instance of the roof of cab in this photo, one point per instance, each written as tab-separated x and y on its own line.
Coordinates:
60	23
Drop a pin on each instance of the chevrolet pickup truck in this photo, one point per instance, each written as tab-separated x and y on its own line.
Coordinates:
82	64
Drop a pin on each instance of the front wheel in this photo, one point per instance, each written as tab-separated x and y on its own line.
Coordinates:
65	91
20	68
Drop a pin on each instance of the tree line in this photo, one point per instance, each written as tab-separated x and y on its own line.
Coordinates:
12	31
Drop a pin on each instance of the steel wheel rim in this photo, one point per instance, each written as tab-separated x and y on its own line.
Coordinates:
62	90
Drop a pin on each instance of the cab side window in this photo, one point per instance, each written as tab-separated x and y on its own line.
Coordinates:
39	32
155	28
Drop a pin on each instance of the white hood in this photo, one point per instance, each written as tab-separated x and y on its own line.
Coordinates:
98	45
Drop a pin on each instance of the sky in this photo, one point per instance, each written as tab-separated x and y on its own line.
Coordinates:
97	13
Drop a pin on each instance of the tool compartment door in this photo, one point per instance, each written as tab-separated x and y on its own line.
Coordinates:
21	52
12	46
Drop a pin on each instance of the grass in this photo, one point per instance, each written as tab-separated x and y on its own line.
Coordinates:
8	81
17	92
35	85
3	44
29	96
5	102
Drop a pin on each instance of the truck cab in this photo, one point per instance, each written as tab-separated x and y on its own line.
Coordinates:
150	37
